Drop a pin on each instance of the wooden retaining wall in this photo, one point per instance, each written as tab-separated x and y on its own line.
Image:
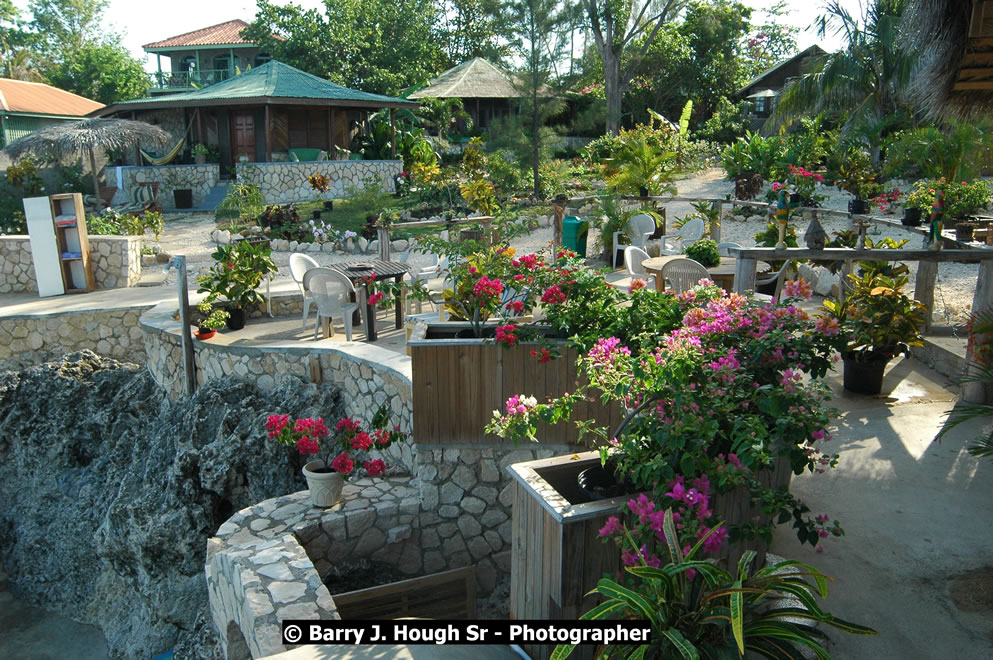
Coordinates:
458	384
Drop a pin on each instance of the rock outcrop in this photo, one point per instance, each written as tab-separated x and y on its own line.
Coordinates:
110	491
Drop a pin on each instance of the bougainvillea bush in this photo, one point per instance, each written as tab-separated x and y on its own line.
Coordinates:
736	386
346	448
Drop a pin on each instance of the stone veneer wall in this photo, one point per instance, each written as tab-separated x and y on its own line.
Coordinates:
116	263
199	178
282	183
27	340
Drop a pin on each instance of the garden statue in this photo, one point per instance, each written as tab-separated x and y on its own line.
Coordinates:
936	220
782	216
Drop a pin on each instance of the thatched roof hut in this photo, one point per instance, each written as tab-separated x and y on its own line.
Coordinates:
955	42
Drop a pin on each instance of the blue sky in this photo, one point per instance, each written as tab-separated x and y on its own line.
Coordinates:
141	24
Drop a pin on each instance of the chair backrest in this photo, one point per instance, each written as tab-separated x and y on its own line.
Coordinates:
299	265
423	264
722	248
144	193
639	225
330	290
692	231
683	274
633	256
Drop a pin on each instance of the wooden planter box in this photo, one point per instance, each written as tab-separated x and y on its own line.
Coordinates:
459	382
445	595
556	552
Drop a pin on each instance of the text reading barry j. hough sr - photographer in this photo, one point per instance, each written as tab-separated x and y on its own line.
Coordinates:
412	631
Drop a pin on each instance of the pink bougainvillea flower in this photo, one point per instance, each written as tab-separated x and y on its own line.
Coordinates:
505	334
306	445
375	298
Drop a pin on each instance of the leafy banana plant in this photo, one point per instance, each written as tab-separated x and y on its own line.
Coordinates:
699	610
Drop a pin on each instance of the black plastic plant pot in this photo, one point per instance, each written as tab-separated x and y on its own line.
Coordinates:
911	217
236	318
858	206
317	214
329	204
864	377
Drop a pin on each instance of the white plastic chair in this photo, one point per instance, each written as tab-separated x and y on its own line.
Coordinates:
299	265
683	274
639	230
331	292
689	233
633	257
423	268
722	248
775	278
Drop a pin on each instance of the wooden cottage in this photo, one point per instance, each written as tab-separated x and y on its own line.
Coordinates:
487	90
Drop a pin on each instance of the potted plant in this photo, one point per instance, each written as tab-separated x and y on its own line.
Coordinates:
322	185
705	252
964	230
855	176
211	319
200	152
878	322
344	449
697	609
237	272
961	199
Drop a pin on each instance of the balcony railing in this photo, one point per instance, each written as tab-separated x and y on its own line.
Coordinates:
188	79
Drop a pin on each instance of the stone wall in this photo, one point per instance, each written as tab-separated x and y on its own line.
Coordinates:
27	340
282	183
199	178
116	263
270	562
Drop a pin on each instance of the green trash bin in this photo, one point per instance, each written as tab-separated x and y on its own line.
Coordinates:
574	233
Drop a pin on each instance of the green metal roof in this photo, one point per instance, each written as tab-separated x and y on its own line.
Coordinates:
270	80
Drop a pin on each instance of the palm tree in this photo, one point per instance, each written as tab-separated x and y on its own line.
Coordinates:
864	80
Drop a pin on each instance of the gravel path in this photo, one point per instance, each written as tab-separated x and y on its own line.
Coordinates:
189	234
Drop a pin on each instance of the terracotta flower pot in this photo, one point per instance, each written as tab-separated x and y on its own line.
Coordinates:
325	484
204	335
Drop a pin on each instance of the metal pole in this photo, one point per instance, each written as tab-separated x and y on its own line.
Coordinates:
184	322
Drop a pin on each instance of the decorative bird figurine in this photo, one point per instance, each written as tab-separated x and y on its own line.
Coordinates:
936	220
782	216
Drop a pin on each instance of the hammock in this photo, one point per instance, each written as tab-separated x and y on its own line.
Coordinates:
168	158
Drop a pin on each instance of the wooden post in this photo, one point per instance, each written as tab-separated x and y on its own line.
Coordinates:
393	133
715	227
268	135
186	341
927	273
383	234
744	275
331	151
982	301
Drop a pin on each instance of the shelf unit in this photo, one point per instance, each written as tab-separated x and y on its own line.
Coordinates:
60	246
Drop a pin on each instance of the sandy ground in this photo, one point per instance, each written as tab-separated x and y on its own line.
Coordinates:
189	234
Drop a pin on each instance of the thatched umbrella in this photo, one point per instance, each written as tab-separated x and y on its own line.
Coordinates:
73	138
954	77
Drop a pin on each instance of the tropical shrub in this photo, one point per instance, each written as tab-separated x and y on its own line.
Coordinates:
243	201
705	252
697	609
961	199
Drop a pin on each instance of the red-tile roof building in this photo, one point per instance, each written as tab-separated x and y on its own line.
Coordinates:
26	107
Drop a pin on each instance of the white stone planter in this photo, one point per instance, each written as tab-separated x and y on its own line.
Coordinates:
325	487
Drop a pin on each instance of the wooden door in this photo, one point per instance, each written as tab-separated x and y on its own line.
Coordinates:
242	136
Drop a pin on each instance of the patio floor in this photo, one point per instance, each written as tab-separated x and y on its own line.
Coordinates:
916	515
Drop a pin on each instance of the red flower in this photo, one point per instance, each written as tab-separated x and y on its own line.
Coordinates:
361	441
515	306
553	295
543	356
342	463
505	334
375	468
347	424
306	445
275	424
375	298
382	437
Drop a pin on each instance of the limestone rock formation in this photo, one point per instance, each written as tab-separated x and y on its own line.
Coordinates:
110	490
